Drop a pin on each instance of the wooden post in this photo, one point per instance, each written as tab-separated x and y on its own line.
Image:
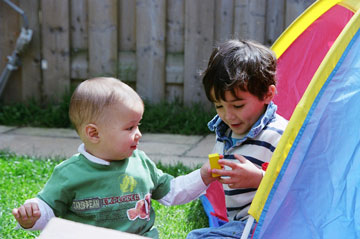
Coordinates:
175	24
224	17
250	20
55	48
150	49
275	21
10	29
127	25
79	39
102	38
199	35
31	75
127	41
294	8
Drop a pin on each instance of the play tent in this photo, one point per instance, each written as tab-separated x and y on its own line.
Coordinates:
310	189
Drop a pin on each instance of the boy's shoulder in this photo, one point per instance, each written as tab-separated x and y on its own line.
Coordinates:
141	156
279	121
277	125
76	159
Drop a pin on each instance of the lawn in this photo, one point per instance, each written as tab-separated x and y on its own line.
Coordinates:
22	177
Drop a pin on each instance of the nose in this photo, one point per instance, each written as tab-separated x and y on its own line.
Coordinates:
229	114
138	134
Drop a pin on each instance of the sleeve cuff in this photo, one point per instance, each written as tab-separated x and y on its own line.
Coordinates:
184	189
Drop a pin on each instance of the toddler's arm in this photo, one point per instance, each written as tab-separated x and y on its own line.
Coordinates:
184	189
33	214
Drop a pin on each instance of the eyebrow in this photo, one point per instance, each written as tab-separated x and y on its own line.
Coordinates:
236	99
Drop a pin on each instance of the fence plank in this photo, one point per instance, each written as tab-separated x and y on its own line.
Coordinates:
79	25
127	41
127	66
79	39
275	20
199	35
174	77
9	23
224	17
250	19
150	52
31	68
294	8
55	47
175	26
102	38
127	25
174	93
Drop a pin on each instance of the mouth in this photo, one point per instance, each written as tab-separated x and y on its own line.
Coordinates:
235	125
133	147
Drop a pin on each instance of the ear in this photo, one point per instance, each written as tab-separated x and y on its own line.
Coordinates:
92	133
270	94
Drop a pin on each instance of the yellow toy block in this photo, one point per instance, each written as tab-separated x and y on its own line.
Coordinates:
213	159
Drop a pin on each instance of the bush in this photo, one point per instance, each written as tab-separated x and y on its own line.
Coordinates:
172	118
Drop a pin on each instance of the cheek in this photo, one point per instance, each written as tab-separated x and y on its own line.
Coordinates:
221	113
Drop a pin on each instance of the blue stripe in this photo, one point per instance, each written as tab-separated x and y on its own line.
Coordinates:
279	131
251	159
239	191
254	160
260	143
230	209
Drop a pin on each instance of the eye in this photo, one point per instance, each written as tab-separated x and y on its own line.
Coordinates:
218	106
238	106
130	128
133	126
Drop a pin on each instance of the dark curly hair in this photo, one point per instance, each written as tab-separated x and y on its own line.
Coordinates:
241	64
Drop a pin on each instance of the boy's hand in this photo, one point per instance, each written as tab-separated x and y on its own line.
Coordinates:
243	175
27	214
205	172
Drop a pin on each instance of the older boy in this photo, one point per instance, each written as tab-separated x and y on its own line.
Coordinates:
240	81
110	183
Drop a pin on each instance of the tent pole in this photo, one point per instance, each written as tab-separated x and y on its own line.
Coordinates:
249	223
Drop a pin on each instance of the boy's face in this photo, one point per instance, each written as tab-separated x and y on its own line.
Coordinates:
240	113
119	133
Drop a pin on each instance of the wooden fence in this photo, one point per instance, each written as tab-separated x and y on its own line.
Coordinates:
157	46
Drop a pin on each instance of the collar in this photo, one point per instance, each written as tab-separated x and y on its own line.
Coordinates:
223	132
91	157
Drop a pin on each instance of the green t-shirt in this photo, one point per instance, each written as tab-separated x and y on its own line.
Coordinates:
115	196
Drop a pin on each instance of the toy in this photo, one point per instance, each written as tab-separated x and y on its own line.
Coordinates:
213	159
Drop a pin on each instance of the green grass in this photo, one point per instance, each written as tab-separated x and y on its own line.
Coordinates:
22	177
173	118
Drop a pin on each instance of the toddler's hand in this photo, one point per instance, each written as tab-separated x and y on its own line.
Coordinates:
206	174
27	214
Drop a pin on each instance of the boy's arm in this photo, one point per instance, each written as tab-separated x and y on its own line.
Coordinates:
33	215
184	189
243	174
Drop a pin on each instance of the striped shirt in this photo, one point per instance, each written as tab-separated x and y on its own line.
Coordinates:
257	146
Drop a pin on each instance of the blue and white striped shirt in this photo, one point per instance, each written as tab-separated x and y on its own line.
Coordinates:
257	146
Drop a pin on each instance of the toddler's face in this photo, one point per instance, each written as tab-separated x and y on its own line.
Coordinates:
120	132
241	112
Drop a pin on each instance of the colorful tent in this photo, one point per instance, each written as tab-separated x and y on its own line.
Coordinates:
310	189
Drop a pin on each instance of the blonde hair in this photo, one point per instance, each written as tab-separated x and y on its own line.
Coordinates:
93	96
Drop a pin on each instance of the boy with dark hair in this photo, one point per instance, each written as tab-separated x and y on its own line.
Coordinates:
240	81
